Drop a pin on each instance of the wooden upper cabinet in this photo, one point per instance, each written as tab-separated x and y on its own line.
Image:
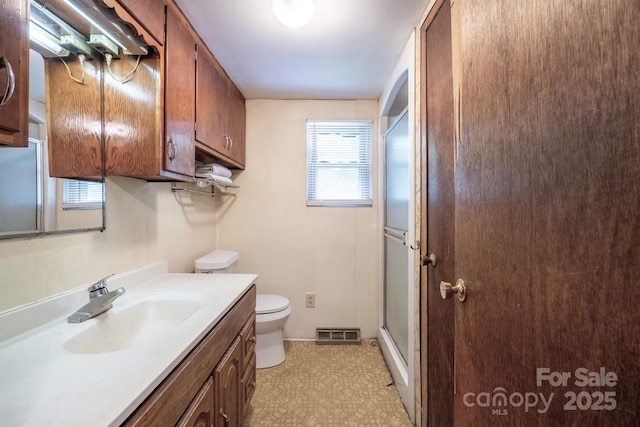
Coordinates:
180	78
210	102
14	72
237	122
220	113
150	13
74	119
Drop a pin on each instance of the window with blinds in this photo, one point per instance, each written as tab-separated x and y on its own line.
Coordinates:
81	194
339	163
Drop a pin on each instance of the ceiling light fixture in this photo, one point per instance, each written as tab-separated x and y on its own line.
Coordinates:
293	13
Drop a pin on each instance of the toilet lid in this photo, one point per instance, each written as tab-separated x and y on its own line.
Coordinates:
267	303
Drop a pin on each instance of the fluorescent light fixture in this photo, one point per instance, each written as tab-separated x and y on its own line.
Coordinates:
118	33
76	45
46	41
293	13
103	44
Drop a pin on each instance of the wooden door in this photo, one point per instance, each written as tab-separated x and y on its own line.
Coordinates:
180	90
548	214
438	205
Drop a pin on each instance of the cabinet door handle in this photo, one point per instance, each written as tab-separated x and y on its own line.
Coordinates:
172	149
225	416
230	143
11	81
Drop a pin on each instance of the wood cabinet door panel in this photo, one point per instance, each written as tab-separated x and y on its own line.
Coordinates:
211	108
74	116
179	96
228	393
200	411
236	119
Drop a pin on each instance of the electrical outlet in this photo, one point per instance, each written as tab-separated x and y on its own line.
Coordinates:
311	300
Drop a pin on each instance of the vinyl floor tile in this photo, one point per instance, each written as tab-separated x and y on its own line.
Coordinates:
327	385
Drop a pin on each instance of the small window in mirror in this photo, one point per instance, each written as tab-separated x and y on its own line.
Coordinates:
81	195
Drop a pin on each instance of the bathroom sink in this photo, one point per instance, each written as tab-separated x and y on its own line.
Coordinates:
139	323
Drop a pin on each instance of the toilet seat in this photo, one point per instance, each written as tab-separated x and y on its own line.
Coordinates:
268	303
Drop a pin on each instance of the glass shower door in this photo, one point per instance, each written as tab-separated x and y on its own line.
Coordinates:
396	226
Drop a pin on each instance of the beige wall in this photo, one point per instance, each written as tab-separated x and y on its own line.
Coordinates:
332	252
146	223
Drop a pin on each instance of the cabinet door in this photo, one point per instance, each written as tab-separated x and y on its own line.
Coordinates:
74	127
211	109
179	96
150	13
236	121
200	411
228	392
14	72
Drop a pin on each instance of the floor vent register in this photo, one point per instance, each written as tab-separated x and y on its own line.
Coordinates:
338	336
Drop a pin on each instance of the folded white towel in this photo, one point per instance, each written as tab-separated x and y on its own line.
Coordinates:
215	178
215	169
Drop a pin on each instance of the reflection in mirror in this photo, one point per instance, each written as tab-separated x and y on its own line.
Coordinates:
31	202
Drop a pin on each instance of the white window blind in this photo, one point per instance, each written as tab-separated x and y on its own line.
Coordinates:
82	194
339	157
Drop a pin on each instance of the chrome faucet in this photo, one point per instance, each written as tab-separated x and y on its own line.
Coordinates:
100	300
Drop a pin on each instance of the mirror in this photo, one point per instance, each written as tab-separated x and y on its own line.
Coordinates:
31	202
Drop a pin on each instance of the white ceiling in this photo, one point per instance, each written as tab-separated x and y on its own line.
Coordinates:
347	51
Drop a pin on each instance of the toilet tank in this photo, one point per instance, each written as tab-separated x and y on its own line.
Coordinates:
217	262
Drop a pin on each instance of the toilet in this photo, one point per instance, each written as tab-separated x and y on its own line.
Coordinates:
272	311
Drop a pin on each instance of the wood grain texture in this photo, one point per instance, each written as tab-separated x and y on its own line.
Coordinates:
229	396
180	89
74	119
438	206
133	118
211	107
200	412
547	207
220	112
149	13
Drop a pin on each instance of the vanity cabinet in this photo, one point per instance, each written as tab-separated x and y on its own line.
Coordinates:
206	388
14	72
220	113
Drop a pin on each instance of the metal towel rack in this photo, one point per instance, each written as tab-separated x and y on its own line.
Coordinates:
215	186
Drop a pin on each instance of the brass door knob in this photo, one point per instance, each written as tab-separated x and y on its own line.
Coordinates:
429	259
447	290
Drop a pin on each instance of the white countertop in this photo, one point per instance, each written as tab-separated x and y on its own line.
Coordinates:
52	375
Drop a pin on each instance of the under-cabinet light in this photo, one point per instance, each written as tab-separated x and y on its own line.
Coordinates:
46	41
116	32
103	44
76	45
